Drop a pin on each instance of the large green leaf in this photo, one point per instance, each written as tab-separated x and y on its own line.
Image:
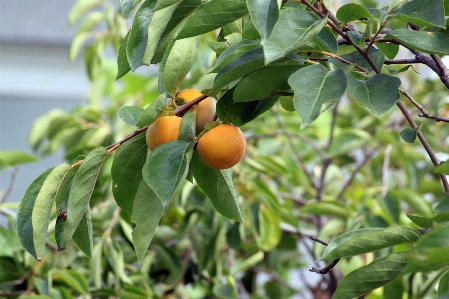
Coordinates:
122	59
138	38
422	13
147	212
427	42
368	240
371	276
24	224
260	84
249	62
166	167
233	52
126	171
294	28
149	115
129	114
353	11
159	21
264	14
217	185
211	15
378	94
83	236
241	113
81	191
176	64
12	158
430	252
40	217
315	90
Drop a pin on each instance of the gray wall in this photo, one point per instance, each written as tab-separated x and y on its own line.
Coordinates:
35	77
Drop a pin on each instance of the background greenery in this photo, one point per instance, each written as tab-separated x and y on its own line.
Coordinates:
347	177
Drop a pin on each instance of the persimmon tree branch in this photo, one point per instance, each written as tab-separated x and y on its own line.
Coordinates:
327	268
424	112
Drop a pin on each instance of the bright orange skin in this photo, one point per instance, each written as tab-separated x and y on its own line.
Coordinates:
222	147
163	130
206	108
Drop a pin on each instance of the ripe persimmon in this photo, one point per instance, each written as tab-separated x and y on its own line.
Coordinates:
163	130
205	109
222	147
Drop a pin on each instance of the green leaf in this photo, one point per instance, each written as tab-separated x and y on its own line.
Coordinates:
395	5
73	279
353	11
422	13
218	187
241	113
40	216
270	229
24	224
332	208
264	15
427	42
249	62
443	285
371	276
166	167
378	94
356	38
83	234
127	5
177	62
429	253
260	84
122	59
129	114
126	171
233	52
12	158
420	220
315	90
81	191
347	140
80	8
138	38
389	49
77	43
211	15
147	212
159	22
442	168
357	58
187	128
368	240
409	135
295	28
149	115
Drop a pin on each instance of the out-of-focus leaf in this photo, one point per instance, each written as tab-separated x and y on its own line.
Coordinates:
294	28
81	191
80	8
147	212
73	279
371	276
368	240
12	158
332	208
442	168
218	186
13	243
348	140
127	5
315	90
24	224
126	171
443	285
378	94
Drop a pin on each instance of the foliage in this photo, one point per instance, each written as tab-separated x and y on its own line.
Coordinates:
162	224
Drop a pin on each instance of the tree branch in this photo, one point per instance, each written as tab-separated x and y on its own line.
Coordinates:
327	268
424	112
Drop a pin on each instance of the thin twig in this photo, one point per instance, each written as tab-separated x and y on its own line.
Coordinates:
401	61
301	201
10	186
443	71
316	239
359	167
424	112
327	268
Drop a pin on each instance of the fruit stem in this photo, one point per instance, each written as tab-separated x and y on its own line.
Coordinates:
179	111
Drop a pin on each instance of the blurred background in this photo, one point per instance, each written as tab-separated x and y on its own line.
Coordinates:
35	77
